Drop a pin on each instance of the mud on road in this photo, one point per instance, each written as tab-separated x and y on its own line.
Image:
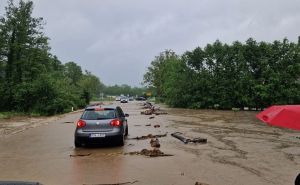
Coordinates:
10	126
240	150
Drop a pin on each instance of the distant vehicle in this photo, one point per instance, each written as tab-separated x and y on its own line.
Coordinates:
131	98
101	123
118	98
124	100
140	98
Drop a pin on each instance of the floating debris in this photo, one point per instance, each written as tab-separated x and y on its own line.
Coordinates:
160	113
148	125
200	183
151	153
147	112
156	126
154	143
185	140
148	105
151	109
180	136
199	140
151	117
137	125
149	136
80	155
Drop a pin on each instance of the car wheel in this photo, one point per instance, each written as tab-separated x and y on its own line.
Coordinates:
121	141
77	144
126	131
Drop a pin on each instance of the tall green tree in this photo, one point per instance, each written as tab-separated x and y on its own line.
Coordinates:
24	48
154	75
253	74
32	79
73	72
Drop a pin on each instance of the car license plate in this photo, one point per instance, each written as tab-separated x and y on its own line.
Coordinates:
97	135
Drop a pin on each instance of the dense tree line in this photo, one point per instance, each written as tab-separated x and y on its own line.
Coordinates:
31	78
124	89
251	74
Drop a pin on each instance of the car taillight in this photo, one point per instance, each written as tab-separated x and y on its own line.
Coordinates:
81	123
116	123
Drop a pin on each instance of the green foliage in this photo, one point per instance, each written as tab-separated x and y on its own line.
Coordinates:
225	76
117	90
154	75
73	72
31	79
91	86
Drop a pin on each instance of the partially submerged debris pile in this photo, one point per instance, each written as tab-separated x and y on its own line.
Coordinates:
186	140
149	136
151	153
147	112
200	183
154	143
151	109
148	105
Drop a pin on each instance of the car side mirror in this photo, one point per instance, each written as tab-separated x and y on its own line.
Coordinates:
126	115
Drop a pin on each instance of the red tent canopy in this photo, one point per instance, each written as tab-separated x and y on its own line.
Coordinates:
287	116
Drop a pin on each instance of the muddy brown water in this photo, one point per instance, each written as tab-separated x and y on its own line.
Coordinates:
240	151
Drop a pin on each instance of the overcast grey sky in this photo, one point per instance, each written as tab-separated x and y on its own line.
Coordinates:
117	39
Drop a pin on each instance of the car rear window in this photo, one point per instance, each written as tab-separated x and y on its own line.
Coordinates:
98	114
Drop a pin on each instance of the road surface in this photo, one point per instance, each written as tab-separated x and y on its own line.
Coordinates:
240	150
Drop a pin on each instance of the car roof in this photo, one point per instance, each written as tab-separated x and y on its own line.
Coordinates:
93	107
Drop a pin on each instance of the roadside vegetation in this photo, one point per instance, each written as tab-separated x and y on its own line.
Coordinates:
117	90
35	82
32	80
251	74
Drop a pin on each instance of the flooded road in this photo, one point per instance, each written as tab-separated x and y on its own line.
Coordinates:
240	151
